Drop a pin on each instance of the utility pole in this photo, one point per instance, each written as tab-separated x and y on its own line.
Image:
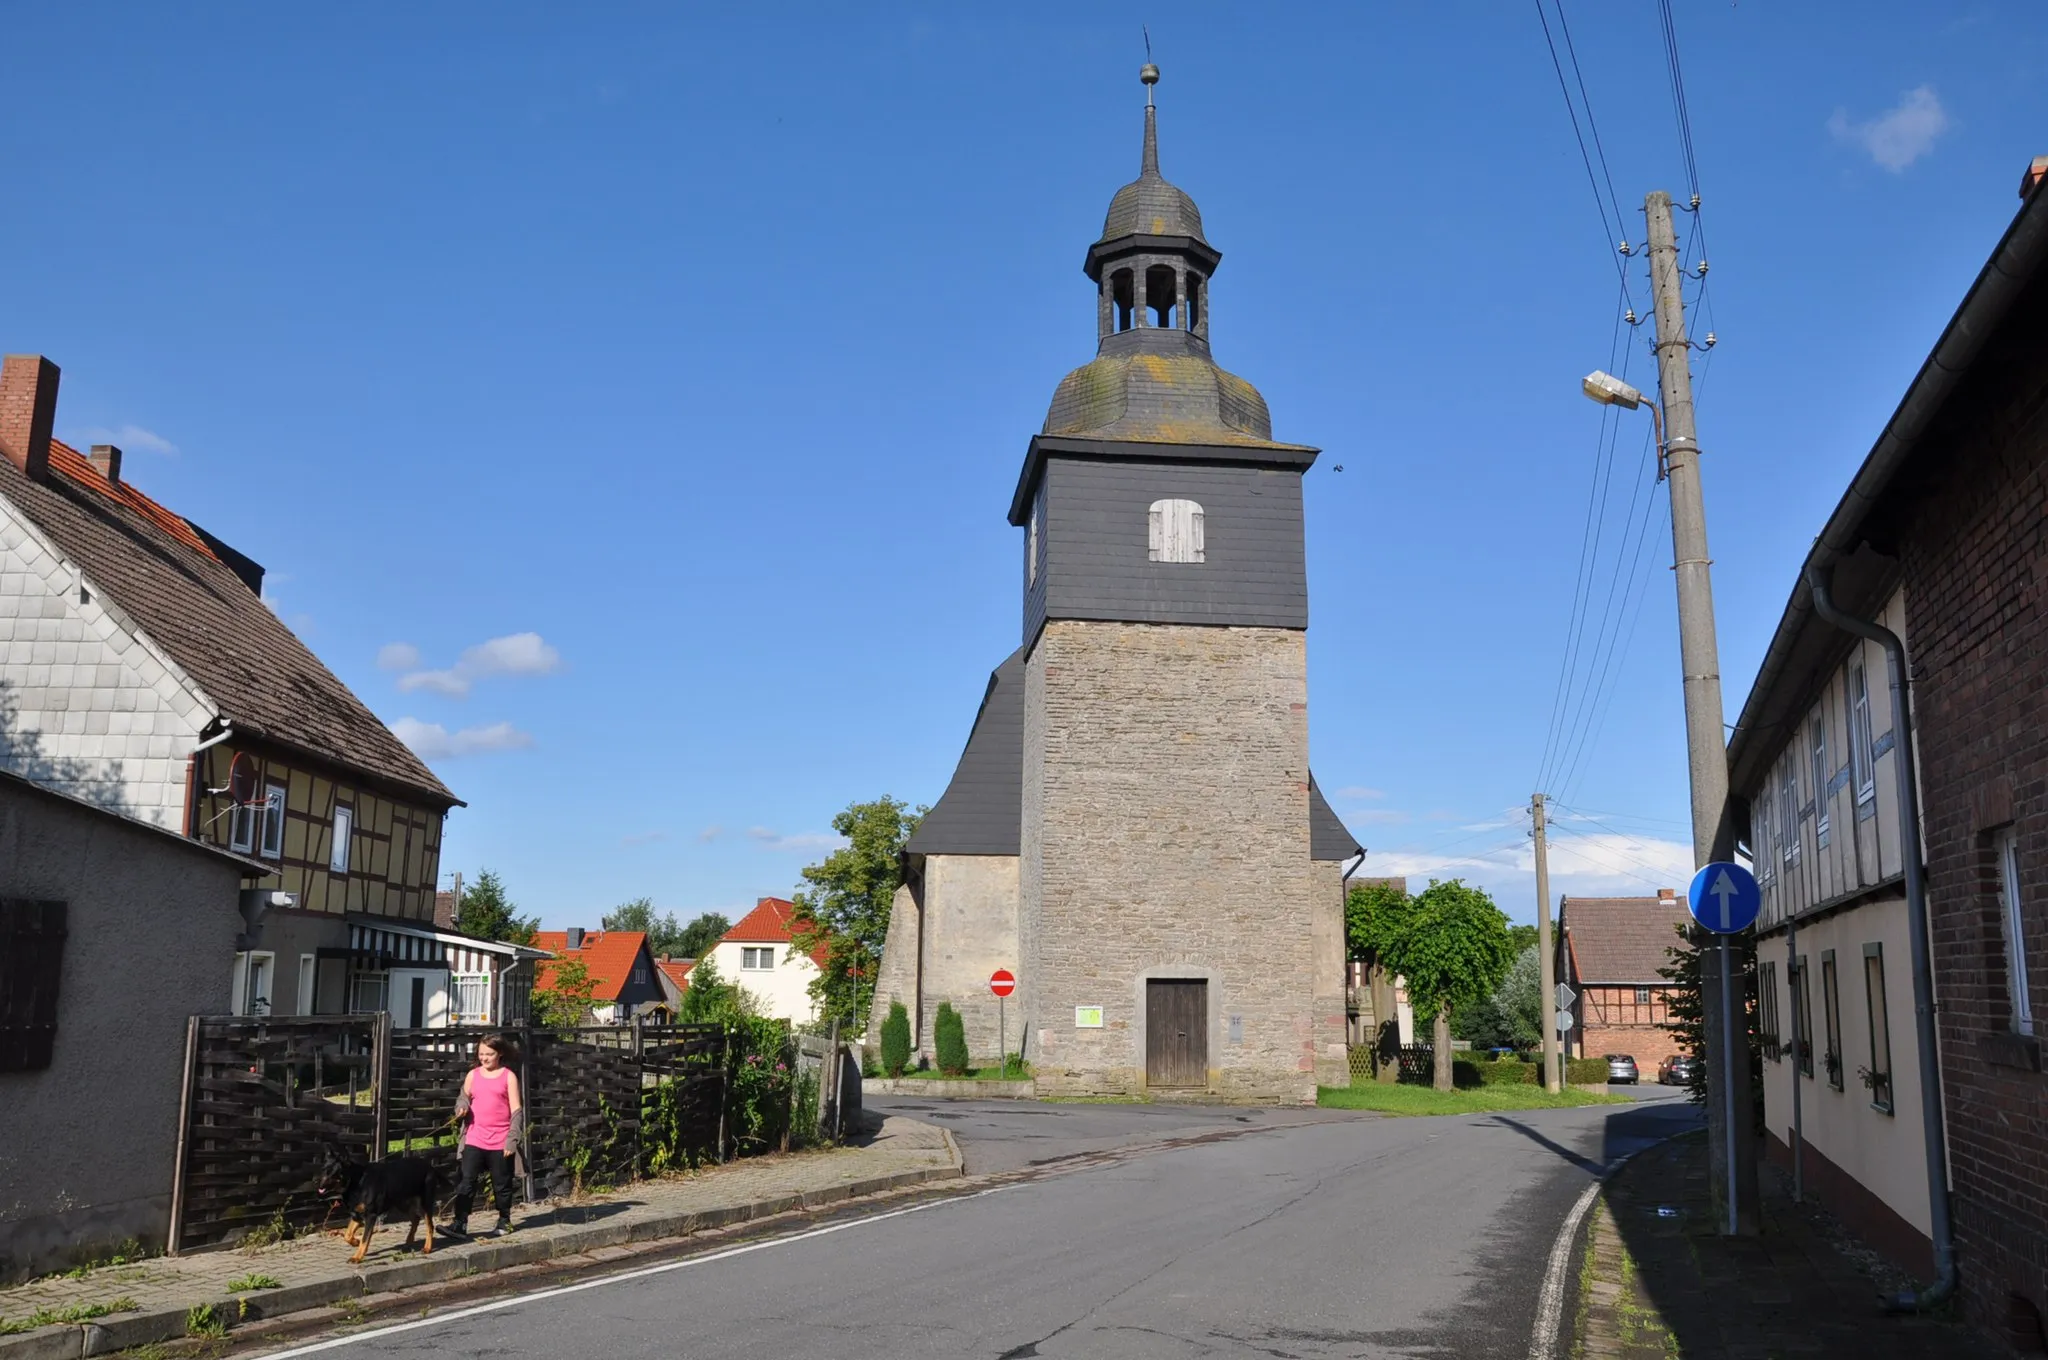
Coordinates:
1549	1007
1730	1108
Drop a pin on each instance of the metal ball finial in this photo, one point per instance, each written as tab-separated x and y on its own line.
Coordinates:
1149	73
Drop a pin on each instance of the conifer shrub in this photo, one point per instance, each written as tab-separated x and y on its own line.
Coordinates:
949	1038
896	1040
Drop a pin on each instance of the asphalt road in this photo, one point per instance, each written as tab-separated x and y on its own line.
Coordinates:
1309	1237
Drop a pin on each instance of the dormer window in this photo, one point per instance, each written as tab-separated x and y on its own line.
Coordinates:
1174	531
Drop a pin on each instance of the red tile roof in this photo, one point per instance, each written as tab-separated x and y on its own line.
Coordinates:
1620	939
159	569
607	954
676	970
769	923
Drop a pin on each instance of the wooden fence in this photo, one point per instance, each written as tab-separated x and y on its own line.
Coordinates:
266	1097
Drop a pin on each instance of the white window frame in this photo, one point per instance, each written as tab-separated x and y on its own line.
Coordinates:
1031	546
1788	812
1174	531
765	953
243	822
309	981
464	988
2012	922
1861	737
359	982
273	823
1818	743
253	984
1761	833
344	830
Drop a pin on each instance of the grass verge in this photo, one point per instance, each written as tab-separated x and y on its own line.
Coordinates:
1397	1098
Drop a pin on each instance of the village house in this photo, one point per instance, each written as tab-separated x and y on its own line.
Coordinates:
1938	548
624	983
141	671
758	954
675	980
1610	951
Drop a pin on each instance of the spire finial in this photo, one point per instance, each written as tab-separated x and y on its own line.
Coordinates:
1149	74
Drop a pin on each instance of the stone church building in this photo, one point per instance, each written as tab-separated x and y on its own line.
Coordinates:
1132	828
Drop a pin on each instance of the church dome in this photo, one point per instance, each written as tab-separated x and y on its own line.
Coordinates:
1159	386
1149	206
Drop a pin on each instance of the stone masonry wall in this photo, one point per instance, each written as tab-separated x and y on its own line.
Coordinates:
1166	835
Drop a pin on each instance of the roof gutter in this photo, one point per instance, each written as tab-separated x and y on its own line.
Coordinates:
2018	257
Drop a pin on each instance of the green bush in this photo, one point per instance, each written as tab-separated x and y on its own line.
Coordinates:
1508	1072
1585	1071
896	1040
949	1039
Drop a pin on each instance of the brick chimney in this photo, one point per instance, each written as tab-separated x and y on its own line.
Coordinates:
2035	171
107	458
1667	897
28	410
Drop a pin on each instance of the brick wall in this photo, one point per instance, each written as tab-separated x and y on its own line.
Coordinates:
1166	835
1615	1022
1975	548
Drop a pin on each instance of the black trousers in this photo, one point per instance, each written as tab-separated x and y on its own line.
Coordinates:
474	1161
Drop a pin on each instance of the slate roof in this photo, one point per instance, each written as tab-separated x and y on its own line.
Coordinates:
161	572
1620	939
982	810
1148	205
1328	837
607	954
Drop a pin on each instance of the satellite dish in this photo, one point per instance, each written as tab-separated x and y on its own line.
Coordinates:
242	779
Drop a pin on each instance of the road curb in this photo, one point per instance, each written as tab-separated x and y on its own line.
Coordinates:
115	1332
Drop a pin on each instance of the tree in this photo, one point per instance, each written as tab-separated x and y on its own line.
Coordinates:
1688	1013
487	912
1451	943
564	1002
662	932
896	1040
1512	1017
1366	908
949	1040
844	913
697	938
709	997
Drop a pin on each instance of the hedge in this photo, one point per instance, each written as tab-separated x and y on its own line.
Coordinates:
1585	1071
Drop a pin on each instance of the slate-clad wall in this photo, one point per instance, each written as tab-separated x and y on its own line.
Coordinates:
1096	546
1166	834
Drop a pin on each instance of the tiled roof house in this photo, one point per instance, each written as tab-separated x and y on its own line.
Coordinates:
621	968
1609	951
140	669
758	952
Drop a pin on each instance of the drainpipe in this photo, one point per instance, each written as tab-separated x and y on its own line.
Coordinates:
1797	974
192	778
1343	932
1819	577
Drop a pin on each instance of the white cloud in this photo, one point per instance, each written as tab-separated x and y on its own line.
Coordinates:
1597	865
709	834
513	654
397	656
1899	136
1356	793
127	438
803	840
1376	816
431	741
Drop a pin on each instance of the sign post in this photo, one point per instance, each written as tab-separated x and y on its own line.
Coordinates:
1002	982
1724	899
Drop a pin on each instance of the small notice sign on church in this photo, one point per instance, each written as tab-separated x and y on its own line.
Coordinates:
1087	1017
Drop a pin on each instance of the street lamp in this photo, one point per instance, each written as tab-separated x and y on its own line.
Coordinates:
1609	390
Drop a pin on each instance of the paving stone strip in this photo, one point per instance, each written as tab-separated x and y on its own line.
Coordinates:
1659	1281
158	1294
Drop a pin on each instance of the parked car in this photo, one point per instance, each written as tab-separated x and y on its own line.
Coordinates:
1621	1067
1678	1070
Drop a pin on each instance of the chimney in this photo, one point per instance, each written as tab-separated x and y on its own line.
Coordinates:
2035	171
575	934
1667	897
28	410
107	458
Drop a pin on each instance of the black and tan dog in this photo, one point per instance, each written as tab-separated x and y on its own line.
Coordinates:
397	1185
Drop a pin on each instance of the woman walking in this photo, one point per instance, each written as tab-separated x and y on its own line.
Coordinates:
490	1106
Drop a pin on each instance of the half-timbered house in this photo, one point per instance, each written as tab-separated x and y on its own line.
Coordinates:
139	665
1610	952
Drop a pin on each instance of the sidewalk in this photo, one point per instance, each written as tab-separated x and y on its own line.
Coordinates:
152	1297
1659	1280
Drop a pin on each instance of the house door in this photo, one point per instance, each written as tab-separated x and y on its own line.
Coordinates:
1176	1032
418	998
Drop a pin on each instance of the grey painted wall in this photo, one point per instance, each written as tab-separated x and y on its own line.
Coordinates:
1254	574
86	1145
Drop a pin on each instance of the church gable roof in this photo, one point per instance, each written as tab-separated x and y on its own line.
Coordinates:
982	810
1328	837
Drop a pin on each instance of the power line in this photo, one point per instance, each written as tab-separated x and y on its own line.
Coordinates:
1571	111
1601	705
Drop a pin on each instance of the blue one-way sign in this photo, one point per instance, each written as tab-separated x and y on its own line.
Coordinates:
1724	898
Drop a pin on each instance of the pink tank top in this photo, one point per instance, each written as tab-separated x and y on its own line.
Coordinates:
490	1110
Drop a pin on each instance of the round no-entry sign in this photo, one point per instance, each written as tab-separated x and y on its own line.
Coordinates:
1002	982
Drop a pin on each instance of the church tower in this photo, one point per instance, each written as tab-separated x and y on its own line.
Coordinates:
1179	920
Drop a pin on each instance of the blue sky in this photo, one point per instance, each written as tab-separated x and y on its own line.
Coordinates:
626	403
